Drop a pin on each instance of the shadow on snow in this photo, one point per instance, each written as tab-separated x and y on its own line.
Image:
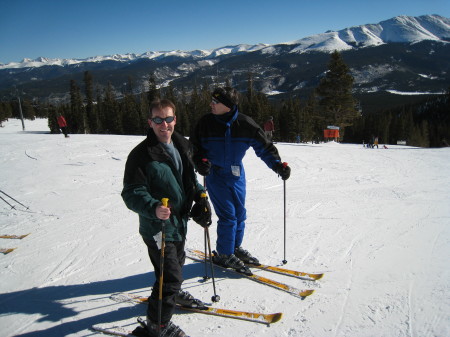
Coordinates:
54	302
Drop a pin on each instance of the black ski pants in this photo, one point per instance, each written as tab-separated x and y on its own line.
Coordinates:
174	258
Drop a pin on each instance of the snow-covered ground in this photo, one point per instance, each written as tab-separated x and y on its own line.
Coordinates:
376	222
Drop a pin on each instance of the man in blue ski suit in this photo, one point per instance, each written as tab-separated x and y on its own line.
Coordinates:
220	140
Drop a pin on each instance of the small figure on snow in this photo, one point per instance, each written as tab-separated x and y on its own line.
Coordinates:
269	128
62	125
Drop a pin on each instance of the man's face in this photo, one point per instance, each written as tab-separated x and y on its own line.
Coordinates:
164	130
218	108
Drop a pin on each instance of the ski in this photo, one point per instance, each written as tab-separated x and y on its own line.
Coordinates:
278	270
227	313
19	237
197	255
115	330
6	250
287	272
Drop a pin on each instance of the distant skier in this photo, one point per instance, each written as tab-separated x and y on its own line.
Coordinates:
269	128
63	125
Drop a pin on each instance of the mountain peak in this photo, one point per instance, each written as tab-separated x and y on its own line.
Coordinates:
404	29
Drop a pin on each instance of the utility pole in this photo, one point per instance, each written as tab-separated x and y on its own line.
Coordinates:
21	114
20	108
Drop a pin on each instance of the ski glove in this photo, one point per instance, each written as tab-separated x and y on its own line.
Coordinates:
201	211
283	170
203	166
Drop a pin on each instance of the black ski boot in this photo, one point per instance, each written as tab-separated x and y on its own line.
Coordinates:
231	261
150	329
187	300
245	256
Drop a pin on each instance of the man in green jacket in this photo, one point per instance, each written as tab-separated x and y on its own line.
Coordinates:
161	167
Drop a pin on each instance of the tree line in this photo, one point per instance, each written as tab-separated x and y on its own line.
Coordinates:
106	111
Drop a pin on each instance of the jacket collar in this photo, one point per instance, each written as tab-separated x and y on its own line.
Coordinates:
229	117
179	141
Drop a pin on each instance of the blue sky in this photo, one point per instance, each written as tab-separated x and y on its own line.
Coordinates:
84	28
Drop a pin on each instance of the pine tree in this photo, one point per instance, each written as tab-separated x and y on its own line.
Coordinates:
143	112
307	120
337	105
153	92
5	111
100	112
112	112
91	112
130	114
198	105
77	113
183	122
52	116
28	110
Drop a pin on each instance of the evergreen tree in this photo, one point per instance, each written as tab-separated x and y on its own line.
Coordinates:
112	112
76	119
52	115
307	120
91	113
5	111
334	92
197	106
143	112
153	92
28	110
99	112
131	122
183	121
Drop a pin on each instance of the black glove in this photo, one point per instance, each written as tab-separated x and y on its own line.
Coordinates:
283	170
203	166
201	211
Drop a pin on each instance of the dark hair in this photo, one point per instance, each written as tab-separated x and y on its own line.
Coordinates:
227	96
161	104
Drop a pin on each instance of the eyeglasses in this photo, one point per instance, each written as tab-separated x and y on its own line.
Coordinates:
159	120
215	101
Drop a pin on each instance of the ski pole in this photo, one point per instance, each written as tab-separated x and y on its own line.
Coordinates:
215	298
165	203
12	207
284	206
206	259
206	247
14	199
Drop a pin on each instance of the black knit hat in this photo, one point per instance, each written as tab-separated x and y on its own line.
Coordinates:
227	96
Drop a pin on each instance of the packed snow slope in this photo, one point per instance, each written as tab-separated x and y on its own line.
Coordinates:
375	221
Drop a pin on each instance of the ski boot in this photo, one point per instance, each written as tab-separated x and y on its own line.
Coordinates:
245	256
231	261
185	299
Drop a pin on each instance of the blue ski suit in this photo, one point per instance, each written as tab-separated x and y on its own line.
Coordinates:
224	140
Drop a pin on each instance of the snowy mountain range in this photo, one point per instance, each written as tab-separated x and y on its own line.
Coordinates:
405	29
400	55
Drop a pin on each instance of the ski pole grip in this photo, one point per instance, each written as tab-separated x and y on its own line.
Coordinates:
285	165
165	202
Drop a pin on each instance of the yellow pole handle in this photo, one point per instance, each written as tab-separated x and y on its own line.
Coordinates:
165	202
